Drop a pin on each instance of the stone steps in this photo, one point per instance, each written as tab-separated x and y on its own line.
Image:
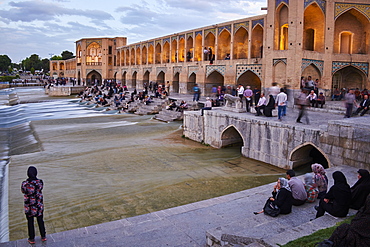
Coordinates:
263	230
169	116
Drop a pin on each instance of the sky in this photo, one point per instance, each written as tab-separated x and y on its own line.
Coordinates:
49	27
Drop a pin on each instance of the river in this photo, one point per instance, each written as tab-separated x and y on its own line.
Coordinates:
99	167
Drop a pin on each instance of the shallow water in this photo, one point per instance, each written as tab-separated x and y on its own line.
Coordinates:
99	168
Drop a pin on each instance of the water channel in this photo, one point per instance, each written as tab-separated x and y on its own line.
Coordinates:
99	167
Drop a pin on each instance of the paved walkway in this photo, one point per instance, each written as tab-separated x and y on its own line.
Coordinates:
187	226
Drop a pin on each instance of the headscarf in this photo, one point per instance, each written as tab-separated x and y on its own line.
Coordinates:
318	169
340	181
32	173
284	184
365	177
271	102
308	179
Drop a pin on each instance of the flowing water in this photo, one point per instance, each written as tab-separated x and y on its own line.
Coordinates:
100	166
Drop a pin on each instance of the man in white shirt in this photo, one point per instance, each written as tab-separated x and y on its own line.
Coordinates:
261	104
280	102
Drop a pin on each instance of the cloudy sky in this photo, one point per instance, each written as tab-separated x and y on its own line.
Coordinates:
47	27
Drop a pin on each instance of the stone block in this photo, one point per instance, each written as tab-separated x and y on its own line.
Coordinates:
333	129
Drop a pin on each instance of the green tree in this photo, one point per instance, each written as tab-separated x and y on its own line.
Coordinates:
32	70
5	61
10	69
56	57
45	64
32	62
67	55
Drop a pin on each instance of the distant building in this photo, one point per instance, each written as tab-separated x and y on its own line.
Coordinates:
327	40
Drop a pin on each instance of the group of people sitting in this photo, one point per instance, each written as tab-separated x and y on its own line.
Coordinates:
336	201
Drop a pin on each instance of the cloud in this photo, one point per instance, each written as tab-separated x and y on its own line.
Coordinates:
28	11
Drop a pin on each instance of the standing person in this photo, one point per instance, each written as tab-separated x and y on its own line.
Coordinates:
350	100
274	90
298	190
320	179
196	91
240	90
210	54
261	104
33	204
336	202
280	102
205	52
310	84
256	95
248	93
302	103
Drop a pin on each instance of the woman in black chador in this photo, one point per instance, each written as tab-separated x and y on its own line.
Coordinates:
361	189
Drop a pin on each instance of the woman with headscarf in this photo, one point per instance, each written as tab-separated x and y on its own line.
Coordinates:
269	107
320	179
33	203
357	233
281	196
312	191
336	201
360	190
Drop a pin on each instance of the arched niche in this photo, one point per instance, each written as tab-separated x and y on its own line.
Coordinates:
138	56
281	27
93	78
146	78
158	52
230	136
191	82
166	53
307	154
133	55
198	50
224	41
241	44
249	78
150	54
257	41
280	73
312	71
214	79
175	83
160	78
349	77
144	55
174	51
314	28
133	80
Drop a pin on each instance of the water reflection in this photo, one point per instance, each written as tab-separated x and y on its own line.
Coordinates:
107	167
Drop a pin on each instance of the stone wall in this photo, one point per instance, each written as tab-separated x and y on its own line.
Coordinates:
280	144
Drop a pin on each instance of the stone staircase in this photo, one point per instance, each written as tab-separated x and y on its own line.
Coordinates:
169	116
263	230
153	108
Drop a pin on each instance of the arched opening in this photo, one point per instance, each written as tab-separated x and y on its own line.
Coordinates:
198	50
118	58
175	83
189	49
61	74
210	42
231	137
351	33
349	77
214	79
223	48
249	78
61	66
174	51
158	51
94	54
257	42
79	78
160	78
133	80
181	50
166	53
123	57
127	57
124	78
93	78
307	154
280	73
284	37
150	54
79	54
241	44
312	71
314	28
133	56
191	82
144	55
138	56
146	78
281	27
345	42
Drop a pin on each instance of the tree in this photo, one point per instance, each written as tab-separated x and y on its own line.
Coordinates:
56	57
67	55
5	61
32	62
32	70
45	64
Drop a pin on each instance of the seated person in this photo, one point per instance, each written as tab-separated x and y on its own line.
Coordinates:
363	106
171	106
207	106
183	106
357	233
309	185
320	100
281	196
336	94
261	104
360	190
269	107
298	190
312	98
336	202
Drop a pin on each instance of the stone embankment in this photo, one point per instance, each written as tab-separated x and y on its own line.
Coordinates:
222	221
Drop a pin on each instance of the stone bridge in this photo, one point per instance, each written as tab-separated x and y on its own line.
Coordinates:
284	144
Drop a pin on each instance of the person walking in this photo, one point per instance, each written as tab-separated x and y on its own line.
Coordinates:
302	103
350	100
33	204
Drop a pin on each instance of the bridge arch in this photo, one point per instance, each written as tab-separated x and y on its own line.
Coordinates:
308	153
231	136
